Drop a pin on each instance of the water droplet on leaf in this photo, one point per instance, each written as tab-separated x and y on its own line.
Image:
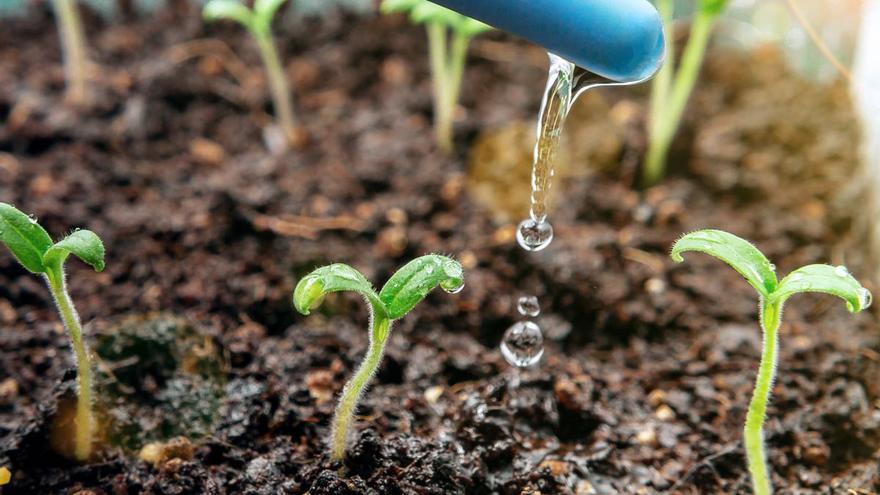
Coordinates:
841	271
452	286
865	297
523	344
528	306
534	236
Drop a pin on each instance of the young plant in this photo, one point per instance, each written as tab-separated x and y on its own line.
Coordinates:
671	90
258	22
759	272
399	296
448	56
31	245
73	47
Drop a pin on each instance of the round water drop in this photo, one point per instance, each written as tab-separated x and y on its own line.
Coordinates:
772	267
866	298
528	306
523	344
841	271
452	287
534	236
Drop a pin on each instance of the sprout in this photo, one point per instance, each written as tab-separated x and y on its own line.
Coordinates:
259	22
31	245
759	272
447	57
668	97
74	49
399	296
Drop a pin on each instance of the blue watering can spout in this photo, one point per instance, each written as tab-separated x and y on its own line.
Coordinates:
619	40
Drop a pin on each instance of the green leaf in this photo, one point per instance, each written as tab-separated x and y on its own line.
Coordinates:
712	7
430	12
228	9
471	27
416	279
392	6
84	244
736	252
310	291
826	279
265	11
24	237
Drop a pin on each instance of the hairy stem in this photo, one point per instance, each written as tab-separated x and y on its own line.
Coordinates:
664	126
437	47
84	421
771	314
354	389
74	49
281	99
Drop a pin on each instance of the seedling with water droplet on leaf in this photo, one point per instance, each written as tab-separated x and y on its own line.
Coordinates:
258	22
34	249
399	296
759	272
448	56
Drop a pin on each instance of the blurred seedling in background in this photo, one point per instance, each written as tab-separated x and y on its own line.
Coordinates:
73	47
399	296
760	273
672	89
448	54
34	249
258	22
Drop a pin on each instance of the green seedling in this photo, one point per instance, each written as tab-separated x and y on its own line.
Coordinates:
258	22
759	272
32	246
399	296
73	47
448	56
671	90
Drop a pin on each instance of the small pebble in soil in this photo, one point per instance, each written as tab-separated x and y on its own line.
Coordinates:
523	344
528	306
533	235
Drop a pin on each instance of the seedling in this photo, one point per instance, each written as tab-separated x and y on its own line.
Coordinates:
258	22
448	56
671	90
73	47
760	273
399	296
31	245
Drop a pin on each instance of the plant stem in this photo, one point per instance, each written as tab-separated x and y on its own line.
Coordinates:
84	420
281	99
771	314
665	124
74	50
381	327
454	74
443	117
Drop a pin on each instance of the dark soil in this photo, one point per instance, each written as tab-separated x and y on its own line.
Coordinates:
648	367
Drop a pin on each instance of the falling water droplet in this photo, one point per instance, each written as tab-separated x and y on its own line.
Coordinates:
841	271
523	344
865	297
533	235
452	286
528	306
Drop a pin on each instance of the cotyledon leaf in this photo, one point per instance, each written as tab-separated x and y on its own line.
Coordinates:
416	279
84	244
740	254
24	237
228	9
338	277
826	279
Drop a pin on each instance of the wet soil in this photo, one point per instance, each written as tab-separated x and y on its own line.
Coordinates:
648	368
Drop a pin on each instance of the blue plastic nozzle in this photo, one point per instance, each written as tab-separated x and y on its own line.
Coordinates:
621	40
